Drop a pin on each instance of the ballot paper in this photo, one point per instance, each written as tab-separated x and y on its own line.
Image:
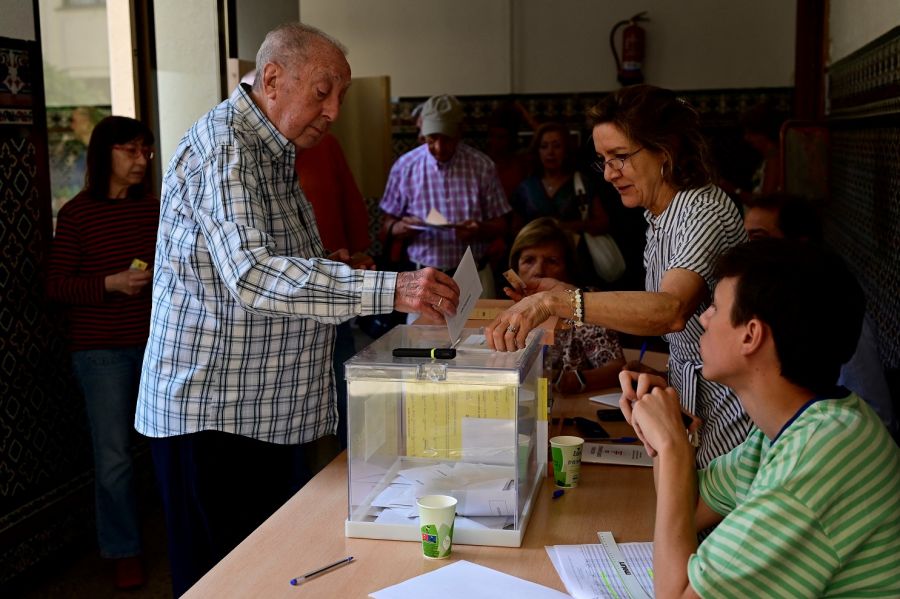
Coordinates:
465	580
482	490
435	217
607	399
470	289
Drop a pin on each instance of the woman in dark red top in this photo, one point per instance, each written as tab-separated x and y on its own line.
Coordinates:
100	270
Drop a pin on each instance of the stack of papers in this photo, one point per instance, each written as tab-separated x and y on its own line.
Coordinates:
588	573
486	494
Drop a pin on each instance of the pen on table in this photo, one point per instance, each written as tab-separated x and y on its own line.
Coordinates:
322	570
622	440
435	353
558	493
643	351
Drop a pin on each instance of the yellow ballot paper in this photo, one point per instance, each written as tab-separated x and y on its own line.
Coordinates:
435	414
138	264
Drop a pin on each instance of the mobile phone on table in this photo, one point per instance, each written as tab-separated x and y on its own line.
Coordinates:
589	429
614	415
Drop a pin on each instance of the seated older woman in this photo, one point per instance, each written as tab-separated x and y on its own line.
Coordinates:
584	358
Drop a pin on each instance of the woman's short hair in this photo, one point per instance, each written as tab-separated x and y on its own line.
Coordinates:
543	231
657	119
111	131
534	150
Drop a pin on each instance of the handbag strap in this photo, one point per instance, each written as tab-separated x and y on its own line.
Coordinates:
579	185
581	195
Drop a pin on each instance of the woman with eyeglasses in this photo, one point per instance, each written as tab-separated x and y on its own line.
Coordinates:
650	148
100	272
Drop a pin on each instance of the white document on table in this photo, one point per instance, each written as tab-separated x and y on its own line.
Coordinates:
465	580
607	399
587	572
470	289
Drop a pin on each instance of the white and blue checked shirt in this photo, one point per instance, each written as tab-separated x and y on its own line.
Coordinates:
692	233
241	333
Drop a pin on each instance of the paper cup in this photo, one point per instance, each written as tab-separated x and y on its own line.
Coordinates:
436	516
566	453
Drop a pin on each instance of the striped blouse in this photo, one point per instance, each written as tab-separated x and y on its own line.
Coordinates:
691	233
814	513
94	239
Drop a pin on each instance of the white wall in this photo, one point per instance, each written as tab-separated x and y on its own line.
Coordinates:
542	46
188	76
253	24
17	21
854	23
425	46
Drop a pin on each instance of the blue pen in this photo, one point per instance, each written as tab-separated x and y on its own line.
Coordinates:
643	350
322	570
621	440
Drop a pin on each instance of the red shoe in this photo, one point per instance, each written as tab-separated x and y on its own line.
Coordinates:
130	573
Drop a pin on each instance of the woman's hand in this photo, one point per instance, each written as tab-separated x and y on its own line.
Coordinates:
129	282
509	329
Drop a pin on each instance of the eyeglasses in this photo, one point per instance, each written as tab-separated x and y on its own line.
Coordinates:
617	163
134	151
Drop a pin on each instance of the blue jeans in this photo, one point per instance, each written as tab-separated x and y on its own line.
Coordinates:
109	380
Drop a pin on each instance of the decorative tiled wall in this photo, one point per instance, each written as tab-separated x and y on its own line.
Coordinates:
862	218
44	445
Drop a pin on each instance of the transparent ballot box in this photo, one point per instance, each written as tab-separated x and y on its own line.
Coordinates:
467	427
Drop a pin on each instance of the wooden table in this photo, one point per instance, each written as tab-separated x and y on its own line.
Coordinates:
307	532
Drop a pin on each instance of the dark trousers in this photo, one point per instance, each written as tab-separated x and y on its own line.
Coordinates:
217	488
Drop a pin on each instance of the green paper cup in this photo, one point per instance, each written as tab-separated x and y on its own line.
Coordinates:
566	453
436	516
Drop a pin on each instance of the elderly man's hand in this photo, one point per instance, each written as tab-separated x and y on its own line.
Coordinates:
408	226
427	291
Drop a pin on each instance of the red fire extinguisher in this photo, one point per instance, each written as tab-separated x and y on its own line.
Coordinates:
628	69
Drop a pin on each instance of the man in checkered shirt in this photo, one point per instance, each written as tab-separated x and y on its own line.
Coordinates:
453	178
237	391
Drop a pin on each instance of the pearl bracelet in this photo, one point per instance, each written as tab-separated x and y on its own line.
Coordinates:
577	307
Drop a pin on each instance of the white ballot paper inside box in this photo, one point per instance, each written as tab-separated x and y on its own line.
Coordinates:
480	489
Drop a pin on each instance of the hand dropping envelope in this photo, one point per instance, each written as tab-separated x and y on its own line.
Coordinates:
470	289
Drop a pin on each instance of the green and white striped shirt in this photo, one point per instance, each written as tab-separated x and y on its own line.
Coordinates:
816	513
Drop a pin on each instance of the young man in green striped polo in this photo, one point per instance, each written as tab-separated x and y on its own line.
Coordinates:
809	504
